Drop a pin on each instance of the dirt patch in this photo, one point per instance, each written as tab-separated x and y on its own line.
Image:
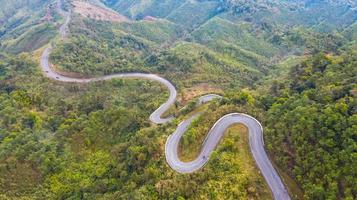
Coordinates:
190	93
149	18
97	13
354	92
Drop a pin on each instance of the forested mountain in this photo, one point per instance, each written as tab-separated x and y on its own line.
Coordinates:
321	14
23	24
291	64
312	125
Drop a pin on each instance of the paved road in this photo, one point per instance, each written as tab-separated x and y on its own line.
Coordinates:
208	97
155	117
256	144
171	148
67	16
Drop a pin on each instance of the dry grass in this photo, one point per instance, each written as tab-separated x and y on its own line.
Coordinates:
86	9
190	153
293	188
189	94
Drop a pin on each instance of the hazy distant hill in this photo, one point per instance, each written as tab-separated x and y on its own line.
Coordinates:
23	24
27	25
289	63
321	14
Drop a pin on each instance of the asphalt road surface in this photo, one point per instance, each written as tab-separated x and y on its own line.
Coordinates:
214	136
256	141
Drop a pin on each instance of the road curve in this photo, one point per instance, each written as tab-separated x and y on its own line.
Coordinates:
256	144
155	117
208	97
171	147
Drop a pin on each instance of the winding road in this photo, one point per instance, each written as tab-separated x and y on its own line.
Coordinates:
171	148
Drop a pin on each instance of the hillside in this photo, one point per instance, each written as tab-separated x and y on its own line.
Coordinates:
321	14
96	12
317	108
26	25
288	64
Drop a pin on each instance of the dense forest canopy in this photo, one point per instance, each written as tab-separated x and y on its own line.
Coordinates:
291	64
312	125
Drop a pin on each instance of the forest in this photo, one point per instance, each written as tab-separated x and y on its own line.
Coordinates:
297	75
311	126
95	142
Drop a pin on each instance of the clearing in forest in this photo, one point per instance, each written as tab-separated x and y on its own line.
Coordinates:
97	13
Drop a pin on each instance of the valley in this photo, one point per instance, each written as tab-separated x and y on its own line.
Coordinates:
93	122
171	148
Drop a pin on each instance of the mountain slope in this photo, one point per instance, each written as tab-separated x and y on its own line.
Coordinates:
321	14
289	63
311	126
26	25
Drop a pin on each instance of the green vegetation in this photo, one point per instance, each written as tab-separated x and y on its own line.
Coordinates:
26	25
311	126
193	14
95	142
103	51
243	102
32	40
201	65
295	12
234	40
98	48
291	64
158	31
322	15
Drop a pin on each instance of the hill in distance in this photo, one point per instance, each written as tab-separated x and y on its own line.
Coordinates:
289	63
